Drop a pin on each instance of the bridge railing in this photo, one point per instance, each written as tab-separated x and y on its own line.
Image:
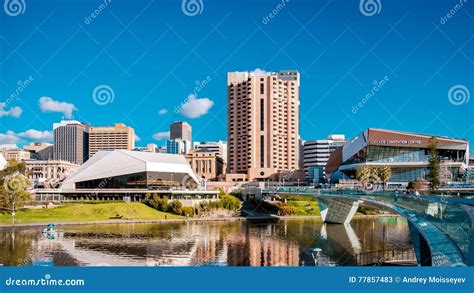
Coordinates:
380	257
451	218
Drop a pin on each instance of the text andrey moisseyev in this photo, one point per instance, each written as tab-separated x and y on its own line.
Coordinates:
425	280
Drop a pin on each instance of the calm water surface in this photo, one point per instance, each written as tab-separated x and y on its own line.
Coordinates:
235	243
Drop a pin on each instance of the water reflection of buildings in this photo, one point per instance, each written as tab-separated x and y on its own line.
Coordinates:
287	243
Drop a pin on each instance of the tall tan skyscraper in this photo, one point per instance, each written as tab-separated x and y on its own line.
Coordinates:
118	137
262	122
71	141
181	130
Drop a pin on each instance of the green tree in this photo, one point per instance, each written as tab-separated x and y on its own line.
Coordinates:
163	204
175	207
14	192
229	202
433	163
385	173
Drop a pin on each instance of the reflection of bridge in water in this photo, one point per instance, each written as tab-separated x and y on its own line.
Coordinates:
386	257
442	229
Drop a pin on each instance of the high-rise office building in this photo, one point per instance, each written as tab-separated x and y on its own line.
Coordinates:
263	122
71	141
109	138
181	130
316	154
178	146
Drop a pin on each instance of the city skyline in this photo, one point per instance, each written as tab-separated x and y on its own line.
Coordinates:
67	66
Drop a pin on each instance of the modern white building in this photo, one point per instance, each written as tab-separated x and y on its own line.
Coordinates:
316	154
130	169
122	174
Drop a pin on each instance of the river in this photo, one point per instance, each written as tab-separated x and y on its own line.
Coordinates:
217	243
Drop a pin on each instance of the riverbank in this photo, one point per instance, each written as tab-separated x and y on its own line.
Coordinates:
182	220
87	212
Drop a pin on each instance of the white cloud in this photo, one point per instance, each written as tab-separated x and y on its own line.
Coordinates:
47	104
13	112
259	71
162	112
9	138
161	135
137	138
37	135
195	107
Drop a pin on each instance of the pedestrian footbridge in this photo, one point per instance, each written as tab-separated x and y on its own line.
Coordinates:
441	228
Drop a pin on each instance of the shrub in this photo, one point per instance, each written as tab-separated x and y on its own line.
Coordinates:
163	204
175	207
229	202
187	211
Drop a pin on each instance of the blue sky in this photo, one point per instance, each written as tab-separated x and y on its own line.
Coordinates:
153	56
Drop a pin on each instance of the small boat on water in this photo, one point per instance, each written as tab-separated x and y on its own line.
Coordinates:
50	231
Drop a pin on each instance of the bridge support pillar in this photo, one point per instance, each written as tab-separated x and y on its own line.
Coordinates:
338	211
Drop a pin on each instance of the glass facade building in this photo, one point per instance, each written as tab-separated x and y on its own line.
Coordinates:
407	154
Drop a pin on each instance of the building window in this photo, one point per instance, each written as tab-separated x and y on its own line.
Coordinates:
262	114
262	151
262	89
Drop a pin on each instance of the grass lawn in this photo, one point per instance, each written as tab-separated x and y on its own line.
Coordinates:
88	213
303	205
305	208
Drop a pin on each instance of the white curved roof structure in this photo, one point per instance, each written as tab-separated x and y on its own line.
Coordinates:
106	164
3	162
